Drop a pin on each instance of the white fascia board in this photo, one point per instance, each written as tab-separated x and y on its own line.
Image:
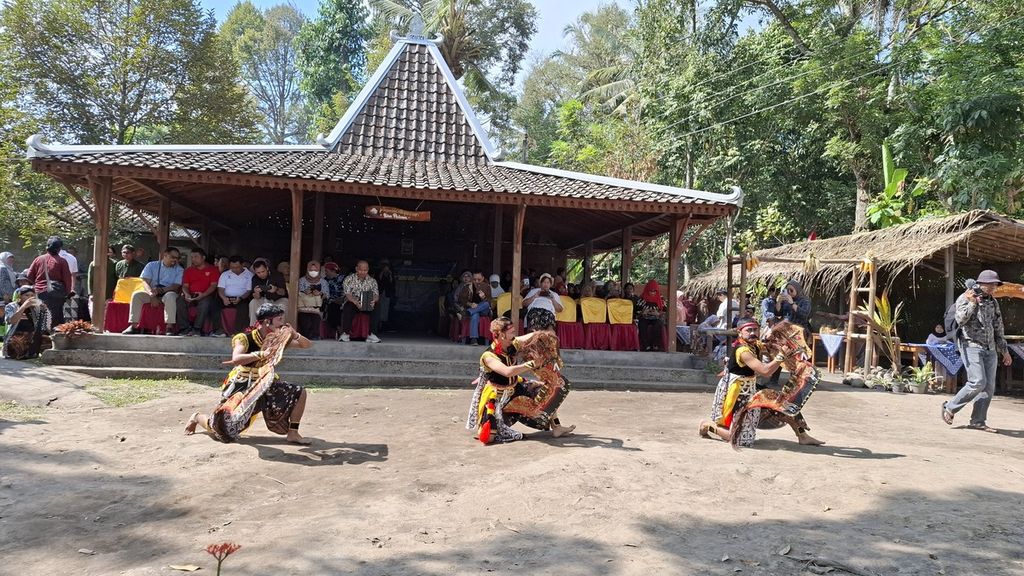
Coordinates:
460	96
734	198
36	148
331	140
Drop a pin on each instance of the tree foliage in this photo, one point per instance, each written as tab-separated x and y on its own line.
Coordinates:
485	42
332	59
264	44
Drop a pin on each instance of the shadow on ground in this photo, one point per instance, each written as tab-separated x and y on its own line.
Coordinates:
905	533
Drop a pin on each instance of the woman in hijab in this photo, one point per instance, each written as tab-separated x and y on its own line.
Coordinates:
649	312
8	277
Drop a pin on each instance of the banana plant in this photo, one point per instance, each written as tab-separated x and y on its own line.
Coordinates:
895	205
883	323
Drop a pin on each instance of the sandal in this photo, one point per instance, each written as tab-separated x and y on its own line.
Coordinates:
947	416
983	428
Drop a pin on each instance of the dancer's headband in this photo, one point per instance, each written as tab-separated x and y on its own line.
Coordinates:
747	324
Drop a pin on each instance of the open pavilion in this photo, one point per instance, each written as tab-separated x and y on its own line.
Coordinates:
410	138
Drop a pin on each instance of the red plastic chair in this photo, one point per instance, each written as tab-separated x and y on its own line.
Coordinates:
483	326
624	334
597	334
360	327
207	324
115	319
570	332
152	319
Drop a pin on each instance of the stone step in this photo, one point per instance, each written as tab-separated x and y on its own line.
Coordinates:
398	348
377	380
394	367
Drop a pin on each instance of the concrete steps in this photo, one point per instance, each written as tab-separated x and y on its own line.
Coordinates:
408	364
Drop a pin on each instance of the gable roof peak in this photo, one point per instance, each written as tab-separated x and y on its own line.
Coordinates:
412	108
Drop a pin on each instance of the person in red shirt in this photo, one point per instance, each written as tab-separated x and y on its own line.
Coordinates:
60	286
199	289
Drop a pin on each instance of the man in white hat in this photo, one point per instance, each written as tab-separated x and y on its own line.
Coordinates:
981	343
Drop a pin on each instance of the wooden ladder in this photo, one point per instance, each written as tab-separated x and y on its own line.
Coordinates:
859	291
735	284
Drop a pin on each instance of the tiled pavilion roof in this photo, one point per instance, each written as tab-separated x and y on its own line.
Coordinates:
410	133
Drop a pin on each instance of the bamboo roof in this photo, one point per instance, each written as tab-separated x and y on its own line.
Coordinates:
976	237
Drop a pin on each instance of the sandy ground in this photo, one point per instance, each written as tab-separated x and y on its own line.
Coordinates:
395	485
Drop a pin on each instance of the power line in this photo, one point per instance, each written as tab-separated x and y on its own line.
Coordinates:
823	89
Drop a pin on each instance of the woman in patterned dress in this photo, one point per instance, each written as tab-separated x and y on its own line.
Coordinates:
244	392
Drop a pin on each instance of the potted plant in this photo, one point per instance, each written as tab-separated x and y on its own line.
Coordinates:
68	331
919	380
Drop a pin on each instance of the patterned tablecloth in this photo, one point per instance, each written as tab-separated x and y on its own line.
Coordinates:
831	342
1017	350
946	354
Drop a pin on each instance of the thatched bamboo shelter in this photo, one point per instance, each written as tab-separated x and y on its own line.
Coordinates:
969	239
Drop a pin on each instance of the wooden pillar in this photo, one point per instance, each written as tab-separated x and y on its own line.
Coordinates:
950	288
499	213
206	243
100	187
318	227
675	253
627	255
588	260
292	315
163	226
517	262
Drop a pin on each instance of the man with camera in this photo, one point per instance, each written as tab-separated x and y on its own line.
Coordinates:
162	279
981	343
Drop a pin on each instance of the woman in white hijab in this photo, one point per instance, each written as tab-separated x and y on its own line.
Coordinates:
8	277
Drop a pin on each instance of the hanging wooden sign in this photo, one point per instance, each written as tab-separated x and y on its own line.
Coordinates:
378	212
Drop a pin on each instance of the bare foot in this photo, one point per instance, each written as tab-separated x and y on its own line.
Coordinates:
808	440
193	421
296	438
559	431
705	429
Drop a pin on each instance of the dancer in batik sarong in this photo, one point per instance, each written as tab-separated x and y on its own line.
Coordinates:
503	397
253	386
739	408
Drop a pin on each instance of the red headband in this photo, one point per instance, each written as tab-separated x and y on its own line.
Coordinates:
744	325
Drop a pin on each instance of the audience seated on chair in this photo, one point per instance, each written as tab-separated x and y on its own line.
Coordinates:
30	324
475	299
129	266
334	295
267	287
199	290
310	300
162	280
650	313
235	289
361	297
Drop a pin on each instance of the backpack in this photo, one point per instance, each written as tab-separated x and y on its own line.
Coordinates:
949	321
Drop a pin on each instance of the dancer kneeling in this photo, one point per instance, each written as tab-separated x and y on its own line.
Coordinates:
740	408
503	397
253	386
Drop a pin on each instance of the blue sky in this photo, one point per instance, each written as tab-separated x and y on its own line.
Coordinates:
553	16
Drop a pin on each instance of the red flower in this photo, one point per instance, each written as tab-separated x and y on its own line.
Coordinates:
222	551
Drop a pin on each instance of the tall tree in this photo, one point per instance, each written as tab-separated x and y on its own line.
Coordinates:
264	45
96	71
484	44
332	59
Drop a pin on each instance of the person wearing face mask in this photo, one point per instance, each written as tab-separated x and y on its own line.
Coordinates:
313	289
739	384
496	289
30	323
